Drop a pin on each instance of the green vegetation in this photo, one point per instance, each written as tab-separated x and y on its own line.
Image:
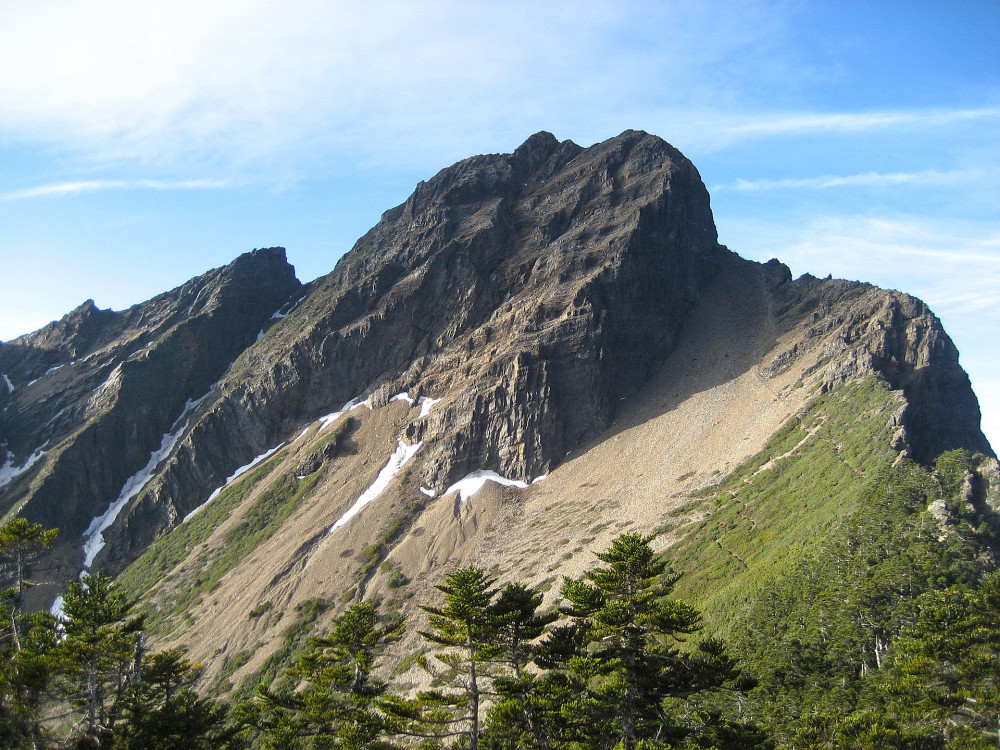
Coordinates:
292	645
338	701
763	522
373	555
170	550
824	639
88	682
183	589
815	567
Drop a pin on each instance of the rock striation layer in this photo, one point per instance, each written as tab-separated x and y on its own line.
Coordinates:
95	392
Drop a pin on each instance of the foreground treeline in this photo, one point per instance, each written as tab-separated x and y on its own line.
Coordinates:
504	673
887	637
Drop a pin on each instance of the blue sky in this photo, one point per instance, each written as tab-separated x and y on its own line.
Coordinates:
142	142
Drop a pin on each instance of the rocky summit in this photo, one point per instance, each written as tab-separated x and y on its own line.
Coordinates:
534	352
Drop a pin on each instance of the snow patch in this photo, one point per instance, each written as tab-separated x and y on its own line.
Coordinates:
329	419
56	609
10	386
260	335
113	380
278	314
232	478
540	478
404	396
94	535
397	461
428	491
9	472
301	435
426	403
470	484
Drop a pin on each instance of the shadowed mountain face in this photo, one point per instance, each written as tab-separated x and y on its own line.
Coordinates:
525	297
90	397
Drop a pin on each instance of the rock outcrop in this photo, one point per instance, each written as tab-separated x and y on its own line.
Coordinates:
865	330
95	392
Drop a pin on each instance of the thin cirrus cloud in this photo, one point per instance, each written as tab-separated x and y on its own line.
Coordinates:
92	186
866	179
241	83
953	264
841	122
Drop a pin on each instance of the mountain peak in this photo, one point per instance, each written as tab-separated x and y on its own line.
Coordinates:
526	306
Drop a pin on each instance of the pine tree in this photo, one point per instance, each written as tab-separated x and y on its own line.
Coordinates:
338	702
28	640
161	711
944	675
21	542
100	648
517	717
622	647
465	631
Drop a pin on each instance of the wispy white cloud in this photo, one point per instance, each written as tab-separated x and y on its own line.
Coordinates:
842	122
92	186
867	179
241	83
952	264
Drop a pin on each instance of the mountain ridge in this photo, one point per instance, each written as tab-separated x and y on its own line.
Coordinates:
550	306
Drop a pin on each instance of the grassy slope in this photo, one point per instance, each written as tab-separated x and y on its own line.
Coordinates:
813	556
781	504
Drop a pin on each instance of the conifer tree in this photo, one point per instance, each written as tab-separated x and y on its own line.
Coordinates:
625	632
100	648
21	542
945	672
465	631
338	702
161	711
517	717
28	640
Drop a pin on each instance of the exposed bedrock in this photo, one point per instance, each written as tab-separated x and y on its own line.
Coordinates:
121	381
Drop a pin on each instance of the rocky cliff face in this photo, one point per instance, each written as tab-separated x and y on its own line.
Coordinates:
528	291
525	295
863	330
92	397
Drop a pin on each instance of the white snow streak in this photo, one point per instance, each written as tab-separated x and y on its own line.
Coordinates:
428	491
9	472
426	403
232	478
301	435
10	386
397	461
94	535
404	396
56	609
470	484
540	478
329	419
278	315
